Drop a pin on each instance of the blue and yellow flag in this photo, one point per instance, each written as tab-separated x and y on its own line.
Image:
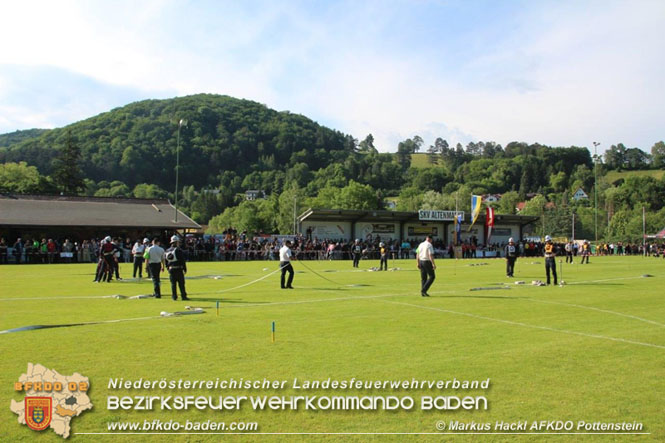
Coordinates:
458	229
476	203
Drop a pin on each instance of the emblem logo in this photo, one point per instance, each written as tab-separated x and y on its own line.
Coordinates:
38	412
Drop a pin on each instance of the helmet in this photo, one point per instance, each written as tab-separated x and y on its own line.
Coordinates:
146	240
107	238
510	240
382	244
357	240
548	238
175	238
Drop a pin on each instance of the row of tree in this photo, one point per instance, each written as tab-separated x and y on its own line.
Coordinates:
229	146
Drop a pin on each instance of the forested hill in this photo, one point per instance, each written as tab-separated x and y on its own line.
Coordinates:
137	143
16	137
230	146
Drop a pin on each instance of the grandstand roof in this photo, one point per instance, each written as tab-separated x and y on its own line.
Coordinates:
396	216
48	210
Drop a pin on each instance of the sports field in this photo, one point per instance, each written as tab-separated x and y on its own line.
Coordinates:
592	350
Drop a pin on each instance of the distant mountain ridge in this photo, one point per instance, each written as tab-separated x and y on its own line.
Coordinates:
137	143
13	138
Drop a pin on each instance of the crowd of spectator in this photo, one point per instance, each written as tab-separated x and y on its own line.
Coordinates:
232	245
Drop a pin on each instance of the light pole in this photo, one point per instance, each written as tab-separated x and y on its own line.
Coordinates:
181	123
595	190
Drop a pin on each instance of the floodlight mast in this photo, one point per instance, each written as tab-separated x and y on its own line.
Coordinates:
595	190
181	123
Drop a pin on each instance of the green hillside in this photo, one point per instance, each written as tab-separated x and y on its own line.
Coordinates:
13	138
614	176
137	143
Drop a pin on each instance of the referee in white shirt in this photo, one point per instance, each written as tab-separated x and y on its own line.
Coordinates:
285	263
425	259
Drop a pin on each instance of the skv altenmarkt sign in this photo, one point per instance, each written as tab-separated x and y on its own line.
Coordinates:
425	214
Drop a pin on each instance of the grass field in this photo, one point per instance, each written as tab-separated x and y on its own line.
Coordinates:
593	350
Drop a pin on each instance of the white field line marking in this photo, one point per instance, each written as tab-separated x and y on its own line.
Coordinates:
250	283
515	323
322	300
603	280
592	308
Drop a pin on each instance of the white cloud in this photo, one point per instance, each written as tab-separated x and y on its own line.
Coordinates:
560	73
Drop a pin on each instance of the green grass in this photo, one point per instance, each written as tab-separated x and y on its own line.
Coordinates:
420	160
613	176
593	350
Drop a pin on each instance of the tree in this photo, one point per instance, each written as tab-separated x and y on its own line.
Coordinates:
658	155
434	200
615	157
367	145
559	182
67	173
405	149
291	198
431	154
145	190
21	178
637	159
508	202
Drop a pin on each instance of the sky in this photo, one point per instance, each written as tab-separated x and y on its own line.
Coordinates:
559	73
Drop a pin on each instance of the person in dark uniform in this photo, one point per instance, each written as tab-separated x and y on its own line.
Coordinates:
383	264
357	252
116	257
511	256
285	255
425	260
550	259
176	263
105	265
3	252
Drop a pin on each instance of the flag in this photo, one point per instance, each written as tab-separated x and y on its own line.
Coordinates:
489	224
458	229
476	203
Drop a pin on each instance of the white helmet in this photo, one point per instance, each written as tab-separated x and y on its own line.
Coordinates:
510	240
107	238
382	244
175	238
548	238
146	240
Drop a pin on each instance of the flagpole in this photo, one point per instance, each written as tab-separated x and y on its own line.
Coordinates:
644	231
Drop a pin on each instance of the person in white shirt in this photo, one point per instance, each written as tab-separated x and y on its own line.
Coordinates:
156	263
137	251
425	259
285	255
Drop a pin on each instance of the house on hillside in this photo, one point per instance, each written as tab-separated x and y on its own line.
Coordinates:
491	198
254	194
580	195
